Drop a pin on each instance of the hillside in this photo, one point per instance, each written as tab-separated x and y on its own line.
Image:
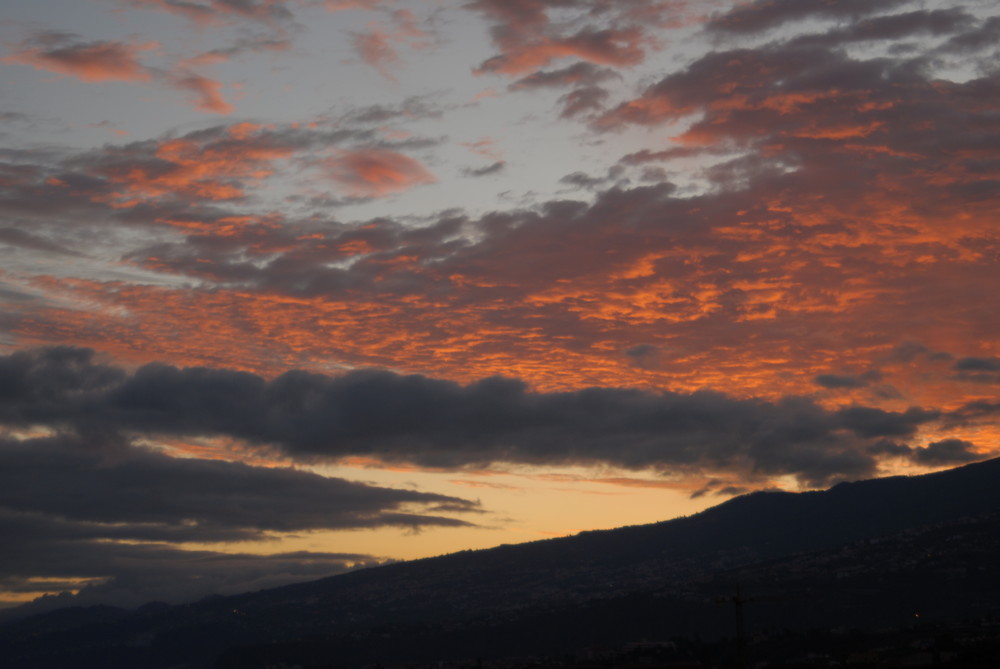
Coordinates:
598	587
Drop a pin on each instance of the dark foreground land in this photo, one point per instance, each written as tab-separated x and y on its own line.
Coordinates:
887	573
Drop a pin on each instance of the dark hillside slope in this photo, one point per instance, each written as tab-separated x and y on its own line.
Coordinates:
742	530
507	586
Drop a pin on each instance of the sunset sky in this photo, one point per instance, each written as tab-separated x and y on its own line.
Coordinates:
291	286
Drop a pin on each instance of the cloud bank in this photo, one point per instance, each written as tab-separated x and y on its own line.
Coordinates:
114	519
442	424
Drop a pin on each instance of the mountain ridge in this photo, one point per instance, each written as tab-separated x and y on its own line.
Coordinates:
509	584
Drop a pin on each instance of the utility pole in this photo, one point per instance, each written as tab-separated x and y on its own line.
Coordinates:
741	640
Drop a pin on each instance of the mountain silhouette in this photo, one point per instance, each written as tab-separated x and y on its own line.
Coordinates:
863	553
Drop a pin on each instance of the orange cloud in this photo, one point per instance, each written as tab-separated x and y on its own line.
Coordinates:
198	167
207	96
377	46
761	298
837	227
648	110
485	94
759	286
746	325
376	172
90	61
485	147
375	49
212	12
95	62
615	34
341	5
620	48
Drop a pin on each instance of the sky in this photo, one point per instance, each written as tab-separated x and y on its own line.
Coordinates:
291	287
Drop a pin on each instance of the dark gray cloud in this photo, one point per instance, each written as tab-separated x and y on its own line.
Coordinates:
894	27
22	239
758	74
888	447
653	175
871	422
494	168
13	296
588	99
721	488
574	75
12	117
847	381
297	260
836	381
971	412
614	175
247	44
647	156
646	356
101	479
642	353
946	452
87	502
99	509
276	17
155	182
749	94
439	423
583	180
910	351
762	15
984	36
991	364
978	369
411	108
74	556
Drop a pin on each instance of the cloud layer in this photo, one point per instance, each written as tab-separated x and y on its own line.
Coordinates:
92	507
832	192
438	423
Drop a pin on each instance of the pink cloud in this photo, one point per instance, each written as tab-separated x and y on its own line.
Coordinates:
270	12
375	49
96	62
207	96
617	34
621	48
341	5
596	31
377	46
485	94
377	172
216	166
89	61
243	45
485	147
519	14
107	126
